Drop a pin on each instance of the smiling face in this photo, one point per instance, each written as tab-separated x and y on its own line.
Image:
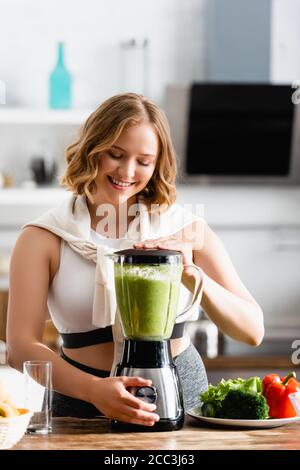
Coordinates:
126	140
126	167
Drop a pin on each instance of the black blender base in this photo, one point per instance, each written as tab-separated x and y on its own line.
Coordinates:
161	425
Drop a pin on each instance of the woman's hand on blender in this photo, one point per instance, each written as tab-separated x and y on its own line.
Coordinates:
170	243
189	278
111	397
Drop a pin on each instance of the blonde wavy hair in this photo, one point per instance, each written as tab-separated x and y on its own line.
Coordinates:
101	131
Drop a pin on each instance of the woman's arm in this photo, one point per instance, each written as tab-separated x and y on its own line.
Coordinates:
30	275
225	299
27	306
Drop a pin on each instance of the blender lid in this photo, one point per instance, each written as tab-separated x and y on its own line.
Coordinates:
149	256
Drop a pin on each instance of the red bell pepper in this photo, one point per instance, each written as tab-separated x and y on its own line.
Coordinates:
268	379
277	390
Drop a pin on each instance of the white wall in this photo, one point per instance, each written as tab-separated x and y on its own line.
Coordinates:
239	35
254	40
285	57
93	30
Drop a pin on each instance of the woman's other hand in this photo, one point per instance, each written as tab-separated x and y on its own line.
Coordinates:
170	243
111	397
189	275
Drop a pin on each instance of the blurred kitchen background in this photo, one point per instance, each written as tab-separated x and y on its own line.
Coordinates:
209	64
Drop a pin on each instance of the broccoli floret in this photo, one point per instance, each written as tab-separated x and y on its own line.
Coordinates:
209	410
244	404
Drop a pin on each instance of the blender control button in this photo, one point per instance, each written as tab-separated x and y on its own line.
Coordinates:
147	394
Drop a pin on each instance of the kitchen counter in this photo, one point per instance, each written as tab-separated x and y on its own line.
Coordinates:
87	434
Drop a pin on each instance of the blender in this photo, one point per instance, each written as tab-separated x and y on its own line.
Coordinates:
147	284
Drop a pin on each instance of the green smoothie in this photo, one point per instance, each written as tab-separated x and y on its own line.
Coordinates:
147	297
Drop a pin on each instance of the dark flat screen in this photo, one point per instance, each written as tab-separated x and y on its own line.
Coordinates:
239	130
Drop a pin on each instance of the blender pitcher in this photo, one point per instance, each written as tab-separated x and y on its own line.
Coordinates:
147	286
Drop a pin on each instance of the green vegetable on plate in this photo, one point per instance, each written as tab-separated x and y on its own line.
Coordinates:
244	404
235	399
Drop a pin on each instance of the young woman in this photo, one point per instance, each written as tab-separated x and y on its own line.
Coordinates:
123	156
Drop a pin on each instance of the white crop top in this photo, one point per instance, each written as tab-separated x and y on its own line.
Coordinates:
70	297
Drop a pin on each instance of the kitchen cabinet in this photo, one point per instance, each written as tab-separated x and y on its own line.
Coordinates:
8	238
3	310
267	260
17	207
227	367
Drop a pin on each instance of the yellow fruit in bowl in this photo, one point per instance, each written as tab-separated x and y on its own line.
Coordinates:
8	410
7	407
13	421
12	429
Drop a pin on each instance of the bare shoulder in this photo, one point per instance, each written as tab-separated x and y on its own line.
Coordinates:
38	237
35	243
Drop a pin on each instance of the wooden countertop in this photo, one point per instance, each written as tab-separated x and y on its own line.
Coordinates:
87	434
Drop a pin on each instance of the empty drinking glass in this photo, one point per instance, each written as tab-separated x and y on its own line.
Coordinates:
295	400
38	395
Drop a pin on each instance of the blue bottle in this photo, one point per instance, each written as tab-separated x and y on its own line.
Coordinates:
60	83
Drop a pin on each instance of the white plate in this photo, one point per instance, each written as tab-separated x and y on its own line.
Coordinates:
246	423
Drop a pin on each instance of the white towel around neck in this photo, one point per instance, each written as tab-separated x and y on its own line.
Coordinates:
71	222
